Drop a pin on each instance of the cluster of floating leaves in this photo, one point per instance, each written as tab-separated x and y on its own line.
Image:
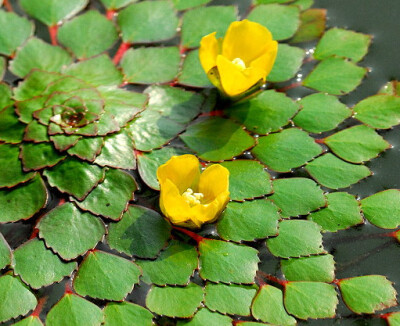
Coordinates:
76	141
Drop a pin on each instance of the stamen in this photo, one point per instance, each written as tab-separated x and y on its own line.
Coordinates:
239	63
192	198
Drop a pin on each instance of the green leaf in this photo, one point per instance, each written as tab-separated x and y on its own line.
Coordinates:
39	266
335	76
314	269
227	262
126	314
175	301
87	148
288	62
334	173
342	43
312	25
111	197
343	211
304	4
29	321
152	130
148	21
151	65
19	27
321	112
5	253
249	221
116	4
174	266
267	112
148	163
247	179
206	317
12	173
5	95
15	298
367	294
175	103
390	88
202	21
36	132
98	71
70	232
289	244
75	177
117	152
139	223
73	310
187	4
192	73
11	129
282	21
297	196
33	194
88	34
3	67
39	156
286	150
357	144
51	12
40	55
268	306
379	111
105	276
217	139
393	319
229	299
383	209
310	300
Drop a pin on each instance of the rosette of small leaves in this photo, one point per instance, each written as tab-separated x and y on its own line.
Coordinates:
72	132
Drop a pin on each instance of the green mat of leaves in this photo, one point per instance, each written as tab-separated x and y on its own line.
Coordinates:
80	184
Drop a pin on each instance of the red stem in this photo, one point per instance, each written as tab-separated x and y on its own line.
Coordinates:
68	288
39	307
288	87
34	233
182	50
110	14
320	141
138	153
215	113
8	5
272	278
121	51
174	83
53	30
194	236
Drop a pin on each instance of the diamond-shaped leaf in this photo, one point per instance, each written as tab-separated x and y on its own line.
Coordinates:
126	314
367	294
249	221
229	299
70	232
88	34
39	156
289	244
286	150
227	262
312	25
297	196
33	194
267	112
288	62
39	266
87	148
206	317
11	129
139	223
192	73
148	21
29	321
174	266
15	298
334	173
5	253
105	276
217	139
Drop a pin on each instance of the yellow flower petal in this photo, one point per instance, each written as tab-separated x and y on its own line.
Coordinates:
208	51
245	40
182	170
213	181
267	60
233	80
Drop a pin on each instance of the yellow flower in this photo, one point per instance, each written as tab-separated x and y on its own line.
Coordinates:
241	59
189	198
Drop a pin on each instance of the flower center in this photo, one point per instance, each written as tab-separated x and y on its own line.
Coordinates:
239	63
192	198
